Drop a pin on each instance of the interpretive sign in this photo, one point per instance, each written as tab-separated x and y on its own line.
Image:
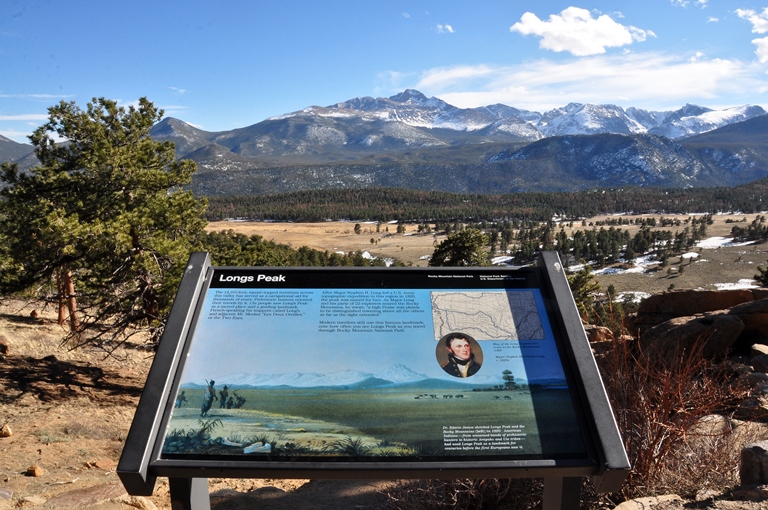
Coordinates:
378	372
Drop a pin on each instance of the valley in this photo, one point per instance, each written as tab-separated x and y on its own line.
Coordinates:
714	264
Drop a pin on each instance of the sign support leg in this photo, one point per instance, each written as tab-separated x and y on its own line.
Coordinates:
561	494
189	494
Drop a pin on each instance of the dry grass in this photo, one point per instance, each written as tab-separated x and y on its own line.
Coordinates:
662	409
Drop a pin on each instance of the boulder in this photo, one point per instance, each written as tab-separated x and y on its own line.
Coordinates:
638	324
760	363
682	303
752	408
754	464
598	334
758	349
714	335
754	315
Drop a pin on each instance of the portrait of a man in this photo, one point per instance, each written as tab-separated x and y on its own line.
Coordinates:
462	361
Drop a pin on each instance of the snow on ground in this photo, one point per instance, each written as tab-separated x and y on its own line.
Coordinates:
640	265
745	283
718	242
634	297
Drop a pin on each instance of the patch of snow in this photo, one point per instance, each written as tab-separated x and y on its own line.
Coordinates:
634	297
690	255
744	283
719	242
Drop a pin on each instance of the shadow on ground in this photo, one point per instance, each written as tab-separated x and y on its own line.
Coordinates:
50	379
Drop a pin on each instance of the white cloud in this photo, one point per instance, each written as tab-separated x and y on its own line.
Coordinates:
25	116
16	136
759	20
444	29
650	80
762	49
684	3
35	97
713	19
178	90
575	30
696	57
406	15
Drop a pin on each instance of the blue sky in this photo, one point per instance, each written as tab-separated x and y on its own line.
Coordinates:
224	347
223	65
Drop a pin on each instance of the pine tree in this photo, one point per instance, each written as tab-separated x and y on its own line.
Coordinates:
103	214
465	248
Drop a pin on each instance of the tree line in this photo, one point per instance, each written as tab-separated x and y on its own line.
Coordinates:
387	204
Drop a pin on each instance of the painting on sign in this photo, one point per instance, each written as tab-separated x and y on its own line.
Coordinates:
280	366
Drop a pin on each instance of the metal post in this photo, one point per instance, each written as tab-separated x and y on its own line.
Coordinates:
561	494
189	494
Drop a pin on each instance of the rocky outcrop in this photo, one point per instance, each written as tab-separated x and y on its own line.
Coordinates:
701	314
712	336
662	307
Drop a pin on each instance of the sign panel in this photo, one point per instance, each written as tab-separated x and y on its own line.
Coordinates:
380	365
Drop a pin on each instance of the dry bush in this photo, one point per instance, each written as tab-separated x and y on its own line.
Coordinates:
506	494
659	406
710	455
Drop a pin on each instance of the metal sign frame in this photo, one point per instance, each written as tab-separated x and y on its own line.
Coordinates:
603	458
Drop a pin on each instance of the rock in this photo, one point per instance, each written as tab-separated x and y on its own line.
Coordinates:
760	363
5	430
668	341
649	502
106	464
752	408
88	497
754	315
682	303
751	493
4	346
31	501
754	464
597	334
637	324
137	502
35	470
758	349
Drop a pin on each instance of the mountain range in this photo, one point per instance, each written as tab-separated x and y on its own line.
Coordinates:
411	141
396	376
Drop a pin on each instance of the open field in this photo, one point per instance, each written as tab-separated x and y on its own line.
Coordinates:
402	421
718	266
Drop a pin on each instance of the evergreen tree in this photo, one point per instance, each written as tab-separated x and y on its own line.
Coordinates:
103	215
583	287
465	248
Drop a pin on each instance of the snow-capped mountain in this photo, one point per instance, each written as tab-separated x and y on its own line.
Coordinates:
413	141
396	374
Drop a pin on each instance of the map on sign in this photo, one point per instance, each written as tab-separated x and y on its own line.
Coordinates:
487	315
